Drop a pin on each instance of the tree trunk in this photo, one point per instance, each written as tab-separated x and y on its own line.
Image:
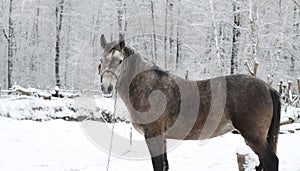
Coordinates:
153	30
253	16
235	36
217	43
296	32
68	47
34	54
171	37
241	161
166	33
59	18
124	17
178	42
10	45
298	81
120	16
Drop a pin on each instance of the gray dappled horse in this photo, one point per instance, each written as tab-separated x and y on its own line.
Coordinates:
163	106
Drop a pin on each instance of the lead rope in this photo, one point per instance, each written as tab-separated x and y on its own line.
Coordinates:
112	129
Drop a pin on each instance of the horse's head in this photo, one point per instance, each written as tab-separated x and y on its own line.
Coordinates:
112	57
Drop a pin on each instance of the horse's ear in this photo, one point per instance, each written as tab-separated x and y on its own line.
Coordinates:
103	41
121	41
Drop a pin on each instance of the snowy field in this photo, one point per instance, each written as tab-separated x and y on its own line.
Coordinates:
62	145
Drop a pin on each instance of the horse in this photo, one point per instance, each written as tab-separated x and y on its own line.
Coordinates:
164	106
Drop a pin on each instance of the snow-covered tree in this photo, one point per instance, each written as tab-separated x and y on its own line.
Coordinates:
44	43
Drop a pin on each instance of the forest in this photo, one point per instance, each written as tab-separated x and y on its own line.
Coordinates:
57	43
52	112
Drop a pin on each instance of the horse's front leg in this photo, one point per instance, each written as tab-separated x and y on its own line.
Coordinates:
157	148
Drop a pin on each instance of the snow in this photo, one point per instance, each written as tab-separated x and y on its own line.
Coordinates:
39	109
24	108
61	145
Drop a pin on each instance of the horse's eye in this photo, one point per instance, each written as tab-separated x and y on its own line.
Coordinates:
120	61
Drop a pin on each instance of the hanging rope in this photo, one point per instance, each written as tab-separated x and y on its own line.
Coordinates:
112	129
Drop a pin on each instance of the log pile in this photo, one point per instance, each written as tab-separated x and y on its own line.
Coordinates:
47	95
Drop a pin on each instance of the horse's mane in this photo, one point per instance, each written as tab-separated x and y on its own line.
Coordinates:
128	51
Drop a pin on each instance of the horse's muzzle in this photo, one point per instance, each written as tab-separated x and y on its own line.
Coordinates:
107	91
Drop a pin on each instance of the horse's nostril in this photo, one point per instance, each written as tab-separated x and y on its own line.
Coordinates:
110	88
102	87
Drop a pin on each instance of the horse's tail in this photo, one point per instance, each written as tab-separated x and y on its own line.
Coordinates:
274	128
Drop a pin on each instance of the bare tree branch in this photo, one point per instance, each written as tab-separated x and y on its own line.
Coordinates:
249	68
296	3
5	35
250	65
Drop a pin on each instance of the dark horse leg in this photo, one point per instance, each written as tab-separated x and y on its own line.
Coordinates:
268	159
259	144
260	130
267	149
257	140
157	148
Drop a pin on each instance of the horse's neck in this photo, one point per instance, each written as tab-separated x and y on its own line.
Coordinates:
136	63
132	66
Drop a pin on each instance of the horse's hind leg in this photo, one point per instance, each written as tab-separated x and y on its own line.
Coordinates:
157	148
268	159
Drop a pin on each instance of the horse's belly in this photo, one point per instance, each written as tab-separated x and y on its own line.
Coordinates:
206	132
138	128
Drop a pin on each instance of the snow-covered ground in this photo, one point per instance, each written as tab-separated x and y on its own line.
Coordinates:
62	145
